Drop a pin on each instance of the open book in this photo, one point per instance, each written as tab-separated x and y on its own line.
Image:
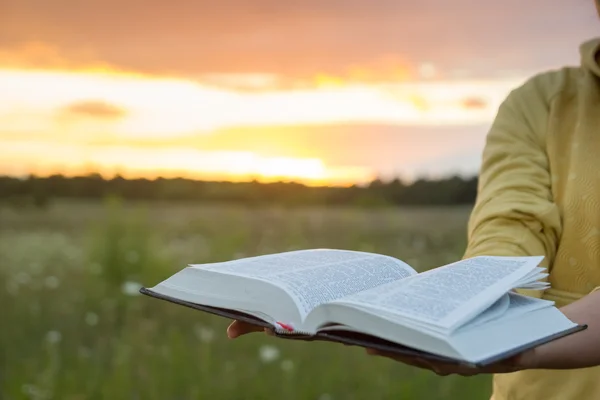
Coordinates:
465	312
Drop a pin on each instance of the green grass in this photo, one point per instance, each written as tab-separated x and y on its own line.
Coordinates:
71	329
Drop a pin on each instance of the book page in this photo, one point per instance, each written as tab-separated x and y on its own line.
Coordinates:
314	277
451	295
509	306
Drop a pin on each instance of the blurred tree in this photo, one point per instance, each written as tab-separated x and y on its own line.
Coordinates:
447	191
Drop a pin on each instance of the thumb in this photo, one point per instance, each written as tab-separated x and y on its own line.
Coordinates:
239	328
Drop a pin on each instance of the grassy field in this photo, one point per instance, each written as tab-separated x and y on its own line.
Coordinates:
74	328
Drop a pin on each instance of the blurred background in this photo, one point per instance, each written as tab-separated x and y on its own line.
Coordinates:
139	136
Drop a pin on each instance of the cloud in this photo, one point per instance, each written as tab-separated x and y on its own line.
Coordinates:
94	109
474	103
304	38
38	54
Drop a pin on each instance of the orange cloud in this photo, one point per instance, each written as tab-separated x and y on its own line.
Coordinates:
38	56
385	69
33	55
94	109
299	39
41	56
474	103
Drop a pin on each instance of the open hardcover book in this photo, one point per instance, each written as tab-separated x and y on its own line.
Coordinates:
465	312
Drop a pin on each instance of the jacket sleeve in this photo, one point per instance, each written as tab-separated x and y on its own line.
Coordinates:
514	214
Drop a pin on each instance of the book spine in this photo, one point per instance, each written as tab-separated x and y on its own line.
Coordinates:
285	329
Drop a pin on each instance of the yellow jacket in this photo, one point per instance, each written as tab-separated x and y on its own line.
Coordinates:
539	194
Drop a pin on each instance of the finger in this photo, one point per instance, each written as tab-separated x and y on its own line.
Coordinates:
239	328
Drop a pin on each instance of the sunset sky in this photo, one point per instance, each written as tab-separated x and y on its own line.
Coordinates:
320	91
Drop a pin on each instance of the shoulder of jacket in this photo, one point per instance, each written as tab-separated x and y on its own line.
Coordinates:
530	103
546	86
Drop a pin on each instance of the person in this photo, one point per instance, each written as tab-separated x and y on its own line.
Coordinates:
539	194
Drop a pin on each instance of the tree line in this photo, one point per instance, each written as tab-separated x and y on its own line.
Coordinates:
39	191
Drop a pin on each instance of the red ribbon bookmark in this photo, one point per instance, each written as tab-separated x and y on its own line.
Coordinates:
287	327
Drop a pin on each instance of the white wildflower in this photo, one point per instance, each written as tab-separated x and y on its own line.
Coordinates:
268	353
12	287
52	282
325	396
73	253
91	319
419	244
33	392
131	288
229	366
84	352
287	365
34	308
204	334
201	246
28	389
23	278
132	256
95	268
53	337
164	351
35	267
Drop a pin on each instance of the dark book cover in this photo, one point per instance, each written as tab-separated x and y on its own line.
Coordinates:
367	341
